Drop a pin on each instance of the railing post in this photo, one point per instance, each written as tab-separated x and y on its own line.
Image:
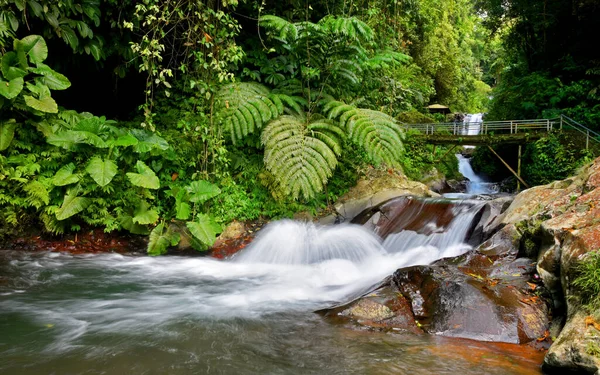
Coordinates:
511	127
587	139
548	125
561	121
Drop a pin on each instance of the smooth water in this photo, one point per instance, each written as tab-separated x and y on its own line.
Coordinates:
116	314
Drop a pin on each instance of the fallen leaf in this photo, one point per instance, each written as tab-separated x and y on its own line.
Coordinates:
544	337
589	321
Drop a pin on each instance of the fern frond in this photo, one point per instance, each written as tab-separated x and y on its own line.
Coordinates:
301	154
379	134
351	27
37	194
245	107
286	30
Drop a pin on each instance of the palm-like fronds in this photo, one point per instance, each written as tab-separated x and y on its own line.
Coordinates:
245	107
301	154
379	134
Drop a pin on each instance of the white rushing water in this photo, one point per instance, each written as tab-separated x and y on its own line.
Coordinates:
291	266
472	124
476	184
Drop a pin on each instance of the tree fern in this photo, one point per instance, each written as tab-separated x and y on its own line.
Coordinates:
285	30
379	134
301	154
245	107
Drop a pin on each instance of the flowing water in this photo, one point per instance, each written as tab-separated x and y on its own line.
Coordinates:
476	184
253	314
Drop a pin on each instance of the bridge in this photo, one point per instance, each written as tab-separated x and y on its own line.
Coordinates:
488	133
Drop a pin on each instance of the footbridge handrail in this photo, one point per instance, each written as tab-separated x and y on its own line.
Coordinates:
590	135
465	129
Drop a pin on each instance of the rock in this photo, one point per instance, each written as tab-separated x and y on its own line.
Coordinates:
457	186
560	223
573	351
381	309
235	229
377	186
471	302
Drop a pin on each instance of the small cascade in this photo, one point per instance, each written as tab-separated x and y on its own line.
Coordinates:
292	242
476	184
414	231
424	230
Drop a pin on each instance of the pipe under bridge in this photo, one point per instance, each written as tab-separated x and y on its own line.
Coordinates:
488	133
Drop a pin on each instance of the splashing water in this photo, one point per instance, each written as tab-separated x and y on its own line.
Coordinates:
66	313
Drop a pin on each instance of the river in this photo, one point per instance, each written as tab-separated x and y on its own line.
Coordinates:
253	314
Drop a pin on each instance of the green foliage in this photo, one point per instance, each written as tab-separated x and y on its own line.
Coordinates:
246	107
587	282
161	238
204	228
379	134
72	21
27	87
145	177
552	158
301	153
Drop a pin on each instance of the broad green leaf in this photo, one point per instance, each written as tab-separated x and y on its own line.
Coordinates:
7	133
161	238
148	141
65	176
102	171
39	89
145	178
126	140
128	224
72	205
35	47
10	89
69	37
47	104
183	210
52	79
10	67
146	217
204	229
66	139
201	191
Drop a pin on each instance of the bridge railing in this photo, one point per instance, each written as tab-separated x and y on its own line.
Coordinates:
485	127
591	137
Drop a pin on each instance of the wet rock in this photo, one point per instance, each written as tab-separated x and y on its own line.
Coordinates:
464	302
573	351
455	186
377	186
382	309
560	223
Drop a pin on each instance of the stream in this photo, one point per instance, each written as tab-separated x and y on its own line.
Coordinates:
251	314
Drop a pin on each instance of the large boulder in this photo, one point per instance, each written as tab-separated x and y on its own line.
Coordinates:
375	187
560	223
475	296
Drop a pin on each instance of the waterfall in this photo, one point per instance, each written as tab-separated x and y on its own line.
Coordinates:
414	231
472	124
476	184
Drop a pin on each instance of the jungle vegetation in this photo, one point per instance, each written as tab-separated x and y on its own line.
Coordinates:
173	118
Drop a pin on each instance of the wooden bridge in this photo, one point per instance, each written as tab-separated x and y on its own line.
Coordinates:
488	133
